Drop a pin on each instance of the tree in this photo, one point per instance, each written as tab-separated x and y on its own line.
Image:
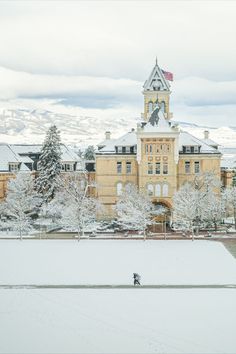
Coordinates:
21	202
135	210
229	198
197	203
89	153
72	204
49	164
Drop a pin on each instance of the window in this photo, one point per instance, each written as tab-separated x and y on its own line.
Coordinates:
196	149
128	167
119	189
63	167
13	167
187	166
128	149
119	167
150	168
119	149
158	168
150	107
165	190
196	167
150	149
188	149
163	106
158	190
158	148
165	169
150	189
69	167
123	149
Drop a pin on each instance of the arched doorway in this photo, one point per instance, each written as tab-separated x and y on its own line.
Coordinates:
161	218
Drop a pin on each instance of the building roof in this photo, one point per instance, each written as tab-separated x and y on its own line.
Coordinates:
130	139
156	80
187	139
68	155
210	142
8	155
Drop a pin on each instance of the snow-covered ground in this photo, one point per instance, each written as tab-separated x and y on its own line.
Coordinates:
117	321
113	262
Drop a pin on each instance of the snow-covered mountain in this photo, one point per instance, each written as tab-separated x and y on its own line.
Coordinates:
29	126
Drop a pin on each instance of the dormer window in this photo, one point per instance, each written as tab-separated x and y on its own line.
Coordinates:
13	167
188	149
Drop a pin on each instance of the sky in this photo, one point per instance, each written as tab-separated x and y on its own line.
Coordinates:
92	57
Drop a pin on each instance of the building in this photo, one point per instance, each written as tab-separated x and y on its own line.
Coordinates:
24	158
158	157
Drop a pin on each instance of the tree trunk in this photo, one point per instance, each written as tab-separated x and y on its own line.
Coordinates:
144	235
192	234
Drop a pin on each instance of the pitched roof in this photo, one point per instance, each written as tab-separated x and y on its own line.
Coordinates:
156	80
187	139
7	155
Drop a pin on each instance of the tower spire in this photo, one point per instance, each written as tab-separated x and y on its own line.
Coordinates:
156	60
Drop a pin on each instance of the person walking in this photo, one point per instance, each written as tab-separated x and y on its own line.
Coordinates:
137	278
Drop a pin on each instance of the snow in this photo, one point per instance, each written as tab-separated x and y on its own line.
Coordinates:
117	321
186	138
110	321
114	262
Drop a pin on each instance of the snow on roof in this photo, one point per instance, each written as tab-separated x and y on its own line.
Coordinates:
7	156
157	122
210	142
129	139
68	155
186	139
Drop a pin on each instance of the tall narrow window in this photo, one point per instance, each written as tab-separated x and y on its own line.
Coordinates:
150	107
150	149
119	167
158	190
187	166
196	167
150	189
165	169
158	168
119	189
196	149
188	149
150	168
165	190
128	167
146	148
119	149
163	106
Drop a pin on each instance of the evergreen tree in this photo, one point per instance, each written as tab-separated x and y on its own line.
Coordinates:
49	164
89	153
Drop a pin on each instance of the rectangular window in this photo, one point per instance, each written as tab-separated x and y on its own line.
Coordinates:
128	167
150	168
119	149
63	167
187	166
69	167
13	167
196	151
158	149
188	149
128	149
119	167
150	149
158	168
165	169
196	167
123	149
146	148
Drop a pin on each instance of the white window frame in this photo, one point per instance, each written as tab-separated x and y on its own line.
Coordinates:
119	189
158	190
150	190
165	190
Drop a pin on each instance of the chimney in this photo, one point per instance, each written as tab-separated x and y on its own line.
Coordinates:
107	135
206	134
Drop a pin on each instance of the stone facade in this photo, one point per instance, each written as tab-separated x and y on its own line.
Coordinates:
157	157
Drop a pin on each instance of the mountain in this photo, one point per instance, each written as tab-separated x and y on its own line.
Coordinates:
29	126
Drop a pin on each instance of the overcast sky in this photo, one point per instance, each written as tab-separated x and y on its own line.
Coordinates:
93	57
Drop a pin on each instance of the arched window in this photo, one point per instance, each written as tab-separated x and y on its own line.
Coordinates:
165	190
150	189
163	106
150	107
158	190
119	188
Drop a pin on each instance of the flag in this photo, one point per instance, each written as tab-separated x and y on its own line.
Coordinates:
168	76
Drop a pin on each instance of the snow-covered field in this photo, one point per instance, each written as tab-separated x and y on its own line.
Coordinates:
117	321
114	262
110	321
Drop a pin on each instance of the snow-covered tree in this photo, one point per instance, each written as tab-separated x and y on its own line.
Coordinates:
72	204
135	210
229	198
194	206
89	153
49	164
21	202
